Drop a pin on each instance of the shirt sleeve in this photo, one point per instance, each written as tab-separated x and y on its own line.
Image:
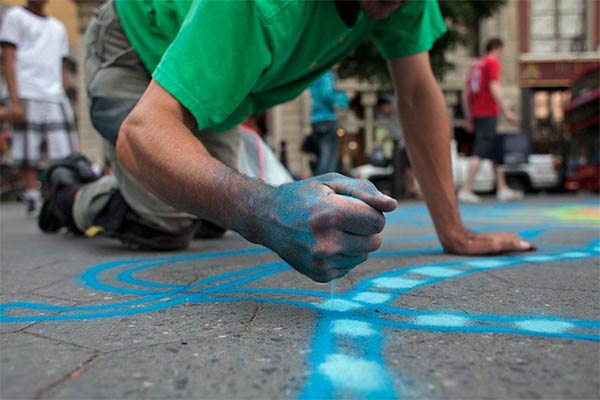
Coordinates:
411	29
10	29
215	60
493	68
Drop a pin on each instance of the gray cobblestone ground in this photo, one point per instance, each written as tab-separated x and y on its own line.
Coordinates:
91	319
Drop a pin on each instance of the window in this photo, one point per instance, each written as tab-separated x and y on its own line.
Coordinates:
557	26
548	134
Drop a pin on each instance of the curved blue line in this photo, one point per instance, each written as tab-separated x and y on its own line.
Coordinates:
274	268
127	275
227	275
90	277
116	306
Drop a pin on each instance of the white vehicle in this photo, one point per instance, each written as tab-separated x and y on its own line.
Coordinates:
485	179
537	173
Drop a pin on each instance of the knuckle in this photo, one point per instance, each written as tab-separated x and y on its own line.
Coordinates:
376	241
329	176
329	218
366	185
335	218
378	223
317	254
316	183
321	219
307	186
320	252
316	219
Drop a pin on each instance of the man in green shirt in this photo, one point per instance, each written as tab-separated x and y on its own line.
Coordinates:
169	82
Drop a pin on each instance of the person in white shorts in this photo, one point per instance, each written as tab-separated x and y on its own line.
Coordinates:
34	46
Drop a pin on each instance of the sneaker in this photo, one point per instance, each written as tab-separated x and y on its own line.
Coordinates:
59	198
62	180
468	197
51	217
138	235
509	195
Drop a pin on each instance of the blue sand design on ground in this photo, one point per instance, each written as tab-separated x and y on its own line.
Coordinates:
347	347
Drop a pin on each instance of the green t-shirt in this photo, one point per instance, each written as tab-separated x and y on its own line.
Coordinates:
225	60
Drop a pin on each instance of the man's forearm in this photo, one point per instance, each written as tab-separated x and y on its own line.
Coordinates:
160	151
498	96
425	121
426	128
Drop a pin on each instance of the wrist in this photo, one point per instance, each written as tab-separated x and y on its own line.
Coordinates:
455	238
253	199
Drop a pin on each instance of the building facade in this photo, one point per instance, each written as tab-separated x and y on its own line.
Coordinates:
558	40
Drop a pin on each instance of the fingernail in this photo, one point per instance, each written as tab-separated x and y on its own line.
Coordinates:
525	245
388	197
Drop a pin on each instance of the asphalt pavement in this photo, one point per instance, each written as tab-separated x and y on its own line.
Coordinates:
225	319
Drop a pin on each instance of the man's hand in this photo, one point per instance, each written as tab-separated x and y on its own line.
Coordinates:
466	242
511	117
324	226
17	113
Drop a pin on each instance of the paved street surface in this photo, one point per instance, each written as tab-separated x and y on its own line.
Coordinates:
226	319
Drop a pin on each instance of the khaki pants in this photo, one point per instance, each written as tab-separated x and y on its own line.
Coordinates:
116	79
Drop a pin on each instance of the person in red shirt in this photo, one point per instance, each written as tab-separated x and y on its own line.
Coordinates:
482	102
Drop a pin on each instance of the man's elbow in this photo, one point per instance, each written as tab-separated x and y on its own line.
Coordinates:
126	143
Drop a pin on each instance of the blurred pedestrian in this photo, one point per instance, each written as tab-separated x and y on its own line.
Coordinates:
482	103
34	46
325	101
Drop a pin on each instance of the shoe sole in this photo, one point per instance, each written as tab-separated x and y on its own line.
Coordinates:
158	243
